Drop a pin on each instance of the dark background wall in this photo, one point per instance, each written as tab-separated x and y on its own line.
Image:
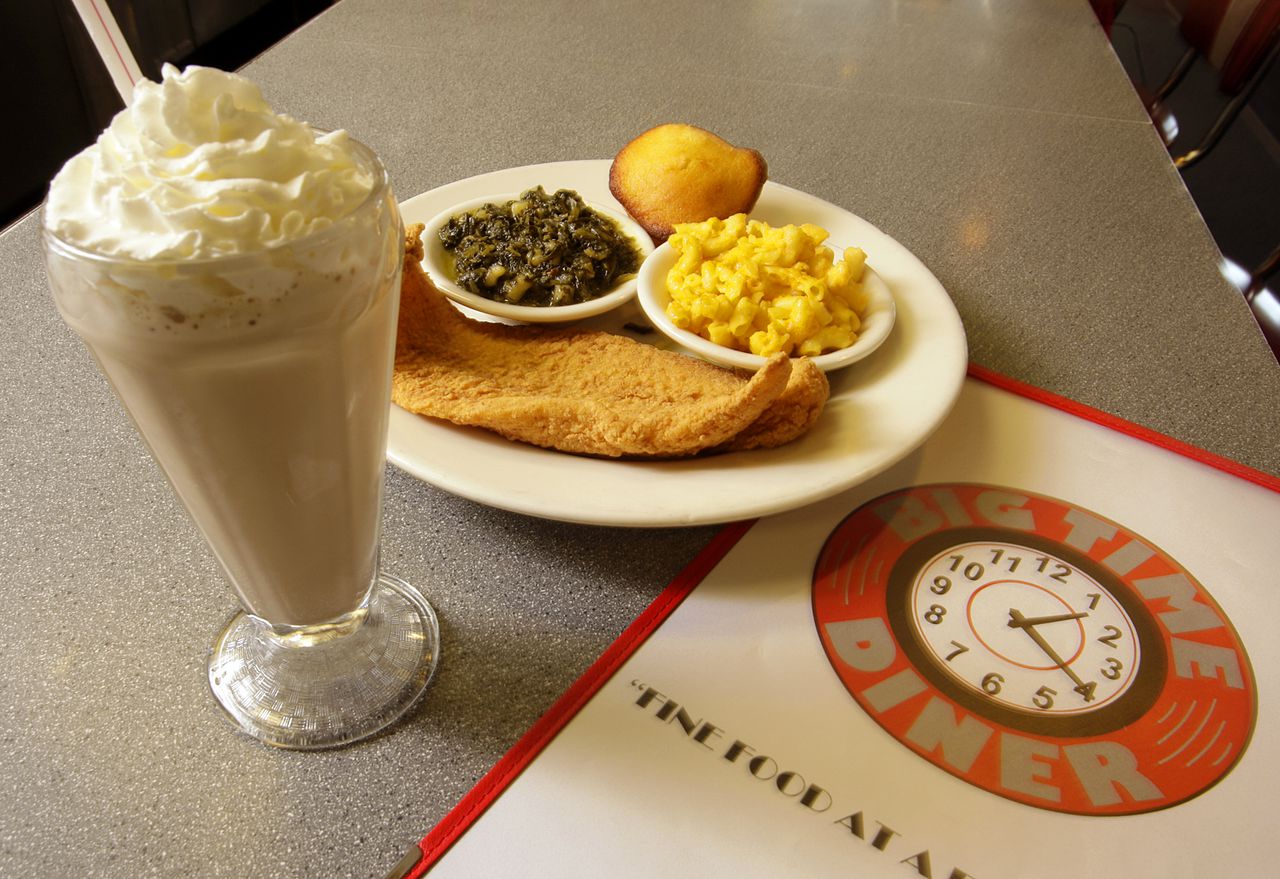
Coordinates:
60	96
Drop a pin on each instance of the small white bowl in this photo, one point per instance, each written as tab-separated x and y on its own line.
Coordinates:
653	297
436	260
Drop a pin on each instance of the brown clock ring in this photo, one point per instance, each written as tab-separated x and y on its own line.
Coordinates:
1059	700
1033	648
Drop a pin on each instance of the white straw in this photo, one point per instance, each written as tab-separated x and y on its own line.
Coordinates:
111	46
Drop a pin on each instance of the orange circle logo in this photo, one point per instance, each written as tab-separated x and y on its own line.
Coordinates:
1033	648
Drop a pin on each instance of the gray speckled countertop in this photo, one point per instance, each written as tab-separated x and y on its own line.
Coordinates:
1001	143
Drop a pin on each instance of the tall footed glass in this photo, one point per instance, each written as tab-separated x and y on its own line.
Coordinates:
261	383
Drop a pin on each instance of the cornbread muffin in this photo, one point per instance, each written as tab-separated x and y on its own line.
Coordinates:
678	173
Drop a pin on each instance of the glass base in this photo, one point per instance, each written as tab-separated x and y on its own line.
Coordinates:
332	684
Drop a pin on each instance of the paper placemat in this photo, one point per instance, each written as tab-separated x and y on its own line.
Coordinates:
1028	649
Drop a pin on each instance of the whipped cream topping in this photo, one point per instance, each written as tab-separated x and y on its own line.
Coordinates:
200	166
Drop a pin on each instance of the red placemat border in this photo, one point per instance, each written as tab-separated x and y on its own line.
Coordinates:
1116	423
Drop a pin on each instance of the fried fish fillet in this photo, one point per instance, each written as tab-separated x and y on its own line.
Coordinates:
791	415
588	393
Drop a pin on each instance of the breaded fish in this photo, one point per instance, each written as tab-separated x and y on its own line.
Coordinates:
588	393
791	415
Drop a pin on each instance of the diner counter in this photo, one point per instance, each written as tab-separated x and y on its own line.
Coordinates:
1001	143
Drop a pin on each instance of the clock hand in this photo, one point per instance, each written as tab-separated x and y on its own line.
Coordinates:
1021	622
1018	621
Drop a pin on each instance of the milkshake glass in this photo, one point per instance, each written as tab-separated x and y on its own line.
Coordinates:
260	381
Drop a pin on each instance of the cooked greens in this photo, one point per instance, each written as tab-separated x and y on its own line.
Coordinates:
539	249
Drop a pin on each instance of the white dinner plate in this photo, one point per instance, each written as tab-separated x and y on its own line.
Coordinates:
881	408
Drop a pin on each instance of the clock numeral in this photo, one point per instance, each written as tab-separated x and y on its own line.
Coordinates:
998	554
1093	605
974	571
1086	690
955	561
992	683
1112	636
1112	671
1060	571
960	648
941	586
1043	698
935	613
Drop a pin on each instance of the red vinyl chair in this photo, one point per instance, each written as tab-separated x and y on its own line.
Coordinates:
1106	11
1241	39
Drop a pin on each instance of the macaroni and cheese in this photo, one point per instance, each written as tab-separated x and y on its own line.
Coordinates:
747	286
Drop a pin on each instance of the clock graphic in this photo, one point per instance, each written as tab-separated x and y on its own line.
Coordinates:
1033	648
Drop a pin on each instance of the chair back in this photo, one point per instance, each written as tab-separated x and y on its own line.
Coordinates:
1255	41
1233	35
